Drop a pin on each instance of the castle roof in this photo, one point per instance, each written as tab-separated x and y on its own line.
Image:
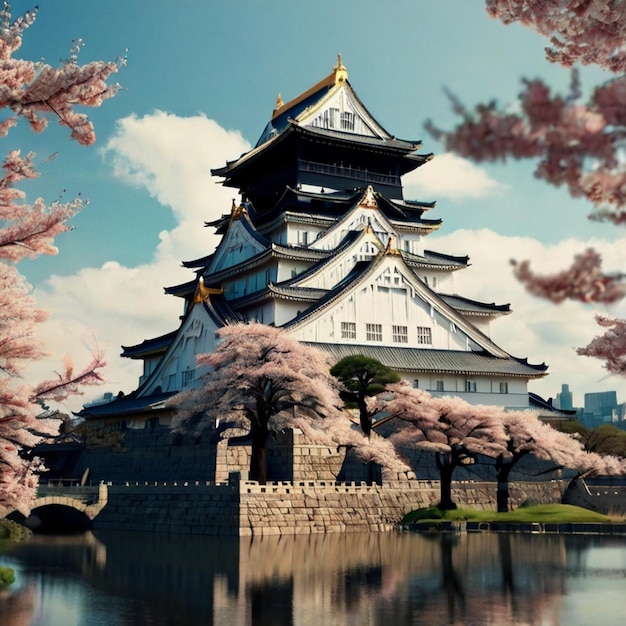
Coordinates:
436	361
474	307
328	113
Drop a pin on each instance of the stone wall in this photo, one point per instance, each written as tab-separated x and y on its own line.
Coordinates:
181	508
160	455
246	508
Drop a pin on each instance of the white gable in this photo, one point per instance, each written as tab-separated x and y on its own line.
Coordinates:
237	246
365	248
177	369
364	215
342	111
391	307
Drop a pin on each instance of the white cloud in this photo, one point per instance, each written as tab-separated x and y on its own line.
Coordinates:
538	329
449	176
171	157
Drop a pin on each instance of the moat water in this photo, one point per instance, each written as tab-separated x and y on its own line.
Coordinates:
113	578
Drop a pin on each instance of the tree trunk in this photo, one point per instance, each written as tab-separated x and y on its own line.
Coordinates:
503	469
258	456
446	467
364	417
502	496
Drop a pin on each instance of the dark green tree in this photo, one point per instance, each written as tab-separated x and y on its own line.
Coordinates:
363	377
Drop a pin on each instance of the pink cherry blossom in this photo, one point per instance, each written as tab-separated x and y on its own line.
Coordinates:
611	346
585	31
575	143
261	379
34	91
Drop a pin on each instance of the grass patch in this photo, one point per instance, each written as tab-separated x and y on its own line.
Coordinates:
7	576
545	513
12	531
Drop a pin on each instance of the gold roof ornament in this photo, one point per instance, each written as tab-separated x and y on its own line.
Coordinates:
203	293
341	73
389	249
236	210
338	76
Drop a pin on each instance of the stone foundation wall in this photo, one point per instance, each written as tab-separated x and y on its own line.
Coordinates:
246	508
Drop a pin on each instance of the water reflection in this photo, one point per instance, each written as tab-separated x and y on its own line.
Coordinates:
132	578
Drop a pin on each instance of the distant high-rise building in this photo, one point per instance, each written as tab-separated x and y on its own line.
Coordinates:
564	400
600	408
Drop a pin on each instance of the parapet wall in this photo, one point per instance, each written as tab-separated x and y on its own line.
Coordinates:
245	508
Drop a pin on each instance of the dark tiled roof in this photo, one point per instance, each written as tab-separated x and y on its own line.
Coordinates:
465	305
149	346
434	260
441	361
381	144
124	405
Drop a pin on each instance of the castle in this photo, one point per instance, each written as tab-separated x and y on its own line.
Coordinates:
323	244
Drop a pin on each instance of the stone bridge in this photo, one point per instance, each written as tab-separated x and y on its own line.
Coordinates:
87	500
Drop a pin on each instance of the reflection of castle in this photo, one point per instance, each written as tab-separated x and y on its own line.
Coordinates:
356	578
324	245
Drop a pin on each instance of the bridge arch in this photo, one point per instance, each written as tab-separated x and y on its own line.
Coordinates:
64	512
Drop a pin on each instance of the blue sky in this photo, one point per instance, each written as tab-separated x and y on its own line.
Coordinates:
200	84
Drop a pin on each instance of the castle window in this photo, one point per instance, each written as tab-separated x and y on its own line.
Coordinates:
424	335
188	376
439	385
347	120
374	332
416	383
504	387
348	330
400	334
470	386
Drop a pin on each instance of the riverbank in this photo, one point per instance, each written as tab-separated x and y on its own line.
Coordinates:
548	518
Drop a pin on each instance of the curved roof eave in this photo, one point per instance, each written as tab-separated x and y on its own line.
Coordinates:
419	360
149	346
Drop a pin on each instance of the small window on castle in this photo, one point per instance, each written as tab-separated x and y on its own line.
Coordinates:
347	120
470	386
504	387
439	385
424	335
416	383
348	330
400	334
188	376
374	332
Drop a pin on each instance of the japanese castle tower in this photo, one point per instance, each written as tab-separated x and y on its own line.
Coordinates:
324	245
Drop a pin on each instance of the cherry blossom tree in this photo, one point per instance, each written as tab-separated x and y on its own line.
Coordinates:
262	379
457	431
362	378
448	426
576	144
527	434
579	30
35	92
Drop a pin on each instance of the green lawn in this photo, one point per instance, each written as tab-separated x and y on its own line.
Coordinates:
550	513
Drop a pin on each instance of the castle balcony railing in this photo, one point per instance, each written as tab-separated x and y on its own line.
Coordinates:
348	172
